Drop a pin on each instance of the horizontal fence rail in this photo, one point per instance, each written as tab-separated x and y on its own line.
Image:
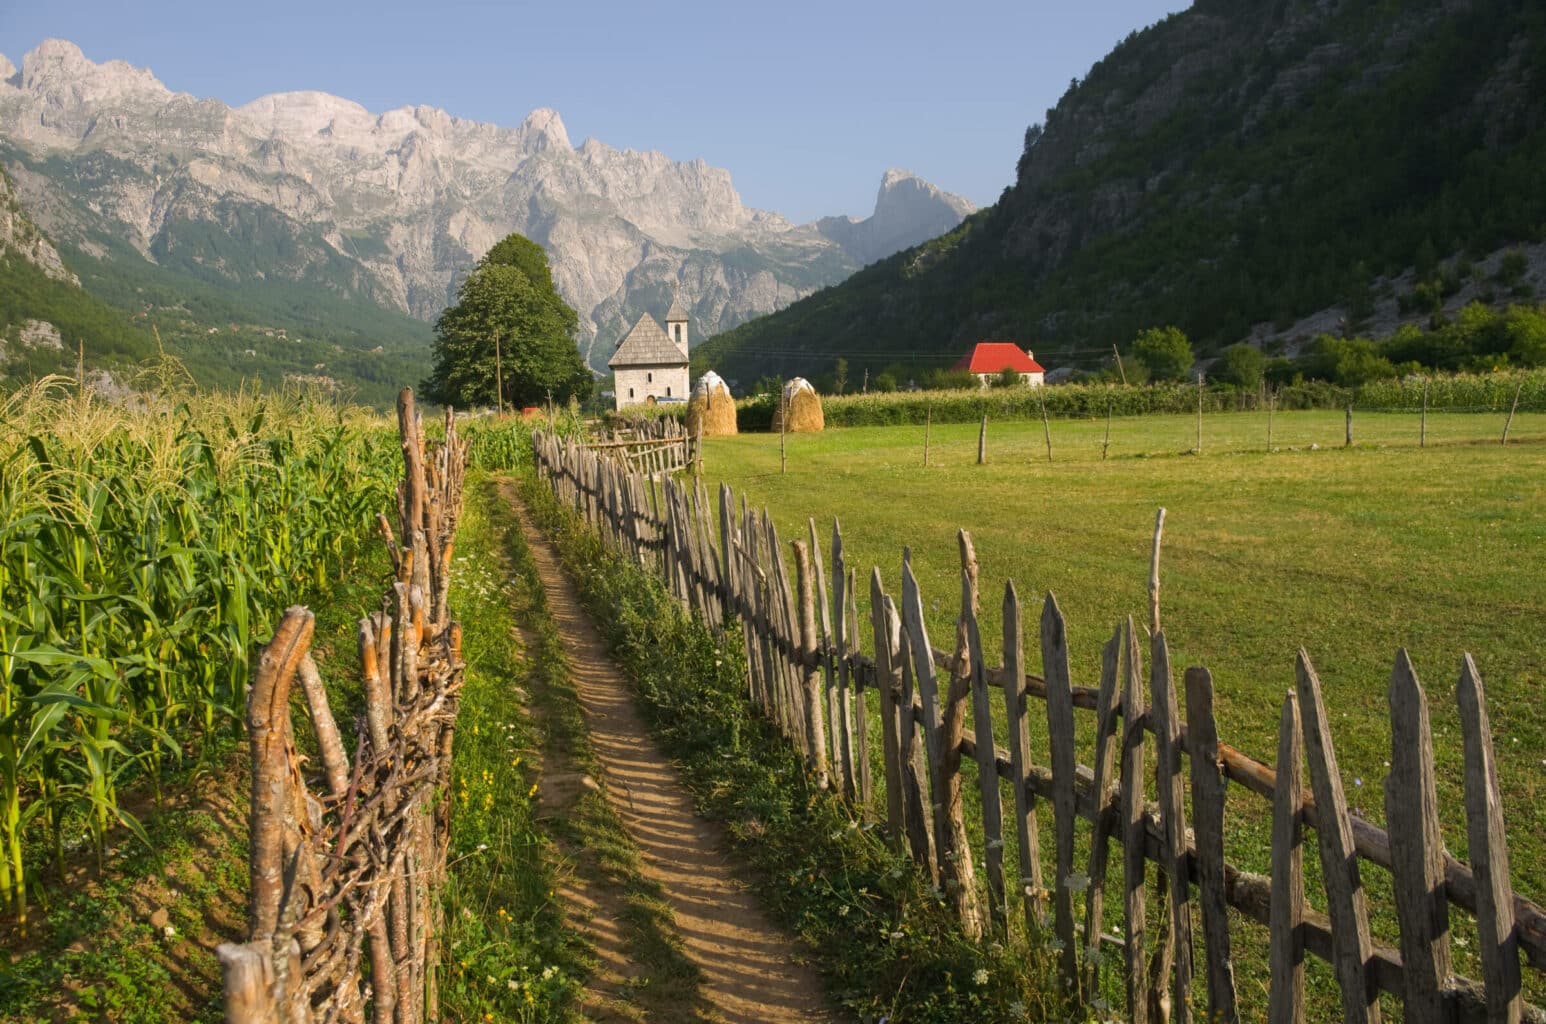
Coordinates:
807	674
344	912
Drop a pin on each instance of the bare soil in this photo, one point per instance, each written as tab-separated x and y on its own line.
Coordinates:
751	972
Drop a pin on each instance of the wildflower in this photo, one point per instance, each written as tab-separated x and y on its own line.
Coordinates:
842	911
169	931
980	976
896	936
512	985
482	847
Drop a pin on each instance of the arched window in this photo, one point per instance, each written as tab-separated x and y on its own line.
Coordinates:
678	329
630	392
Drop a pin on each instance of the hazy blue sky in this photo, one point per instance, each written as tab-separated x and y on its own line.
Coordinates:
805	102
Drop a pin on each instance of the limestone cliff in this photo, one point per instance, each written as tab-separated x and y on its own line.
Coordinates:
396	206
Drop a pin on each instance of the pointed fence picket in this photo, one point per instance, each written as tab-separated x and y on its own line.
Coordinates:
808	675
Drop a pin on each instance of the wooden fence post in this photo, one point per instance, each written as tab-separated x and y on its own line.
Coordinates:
1351	944
982	441
982	727
1417	849
888	680
1488	846
815	733
1133	861
1027	835
1511	410
1060	733
1208	823
1285	943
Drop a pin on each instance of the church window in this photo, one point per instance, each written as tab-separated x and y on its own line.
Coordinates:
649	378
668	391
630	392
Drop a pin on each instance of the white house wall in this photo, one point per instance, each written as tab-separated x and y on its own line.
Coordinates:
636	384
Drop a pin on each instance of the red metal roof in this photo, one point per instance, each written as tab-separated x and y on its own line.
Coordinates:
997	356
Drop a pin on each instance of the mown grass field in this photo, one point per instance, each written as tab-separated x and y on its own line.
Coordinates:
1349	553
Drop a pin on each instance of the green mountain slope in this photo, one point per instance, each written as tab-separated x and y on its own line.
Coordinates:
238	293
1236	163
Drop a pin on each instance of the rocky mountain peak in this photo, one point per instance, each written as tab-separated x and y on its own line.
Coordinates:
307	113
7	70
908	210
57	69
543	131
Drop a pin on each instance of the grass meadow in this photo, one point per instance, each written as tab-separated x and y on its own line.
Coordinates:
1350	553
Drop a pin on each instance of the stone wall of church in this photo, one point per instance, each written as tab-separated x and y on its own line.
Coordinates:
636	384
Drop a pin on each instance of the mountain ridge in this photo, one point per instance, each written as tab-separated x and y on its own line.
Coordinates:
1233	164
395	207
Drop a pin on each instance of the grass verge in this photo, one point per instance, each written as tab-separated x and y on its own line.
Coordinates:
886	943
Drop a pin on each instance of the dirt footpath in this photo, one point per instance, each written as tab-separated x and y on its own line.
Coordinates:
750	971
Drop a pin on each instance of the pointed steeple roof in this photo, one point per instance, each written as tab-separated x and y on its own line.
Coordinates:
647	345
677	312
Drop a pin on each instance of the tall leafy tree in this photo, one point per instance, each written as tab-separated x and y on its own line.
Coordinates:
1165	351
508	300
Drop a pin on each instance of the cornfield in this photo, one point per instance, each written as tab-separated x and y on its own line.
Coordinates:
143	549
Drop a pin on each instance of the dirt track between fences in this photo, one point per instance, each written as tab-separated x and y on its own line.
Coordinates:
751	970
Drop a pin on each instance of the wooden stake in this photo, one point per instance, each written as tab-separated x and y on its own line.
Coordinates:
1046	428
1422	435
1106	444
1154	581
1198	449
499	382
982	441
1349	442
783	431
1120	370
1511	410
928	420
1272	400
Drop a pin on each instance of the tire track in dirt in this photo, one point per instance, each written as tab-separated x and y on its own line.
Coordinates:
751	971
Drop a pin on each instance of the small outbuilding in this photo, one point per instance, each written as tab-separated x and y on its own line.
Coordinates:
803	408
989	359
711	412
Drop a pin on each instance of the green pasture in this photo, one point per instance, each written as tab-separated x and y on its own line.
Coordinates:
1350	553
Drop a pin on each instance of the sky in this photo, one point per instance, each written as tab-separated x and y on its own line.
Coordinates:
806	103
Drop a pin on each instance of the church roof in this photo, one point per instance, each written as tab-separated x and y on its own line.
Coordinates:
647	345
677	310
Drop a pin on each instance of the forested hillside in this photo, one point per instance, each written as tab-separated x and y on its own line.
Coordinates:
1236	163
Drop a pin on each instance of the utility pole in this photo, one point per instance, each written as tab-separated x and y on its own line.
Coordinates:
499	379
1119	363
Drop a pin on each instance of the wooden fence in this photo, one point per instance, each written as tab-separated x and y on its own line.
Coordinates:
650	456
808	675
344	908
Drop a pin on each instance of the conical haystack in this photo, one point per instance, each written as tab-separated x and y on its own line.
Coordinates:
803	406
711	412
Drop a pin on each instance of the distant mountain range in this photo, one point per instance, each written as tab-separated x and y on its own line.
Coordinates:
326	206
1232	169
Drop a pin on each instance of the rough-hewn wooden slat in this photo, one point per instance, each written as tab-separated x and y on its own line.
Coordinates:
1417	848
834	753
987	776
1208	824
858	727
1027	835
918	815
888	680
1339	865
1134	925
1060	735
840	722
1116	650
933	727
1488	846
1175	970
815	727
1285	941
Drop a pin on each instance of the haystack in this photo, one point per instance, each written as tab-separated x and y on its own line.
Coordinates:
803	406
711	410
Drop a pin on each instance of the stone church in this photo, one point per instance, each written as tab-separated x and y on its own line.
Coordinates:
650	364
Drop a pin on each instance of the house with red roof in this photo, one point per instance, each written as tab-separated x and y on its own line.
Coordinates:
989	359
